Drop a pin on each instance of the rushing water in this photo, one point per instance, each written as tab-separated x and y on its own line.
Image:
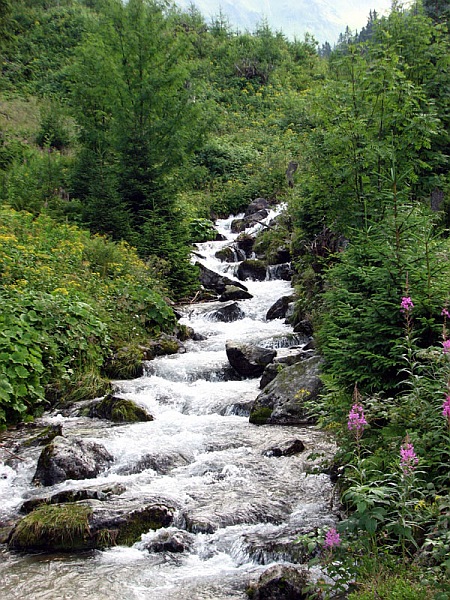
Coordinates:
245	508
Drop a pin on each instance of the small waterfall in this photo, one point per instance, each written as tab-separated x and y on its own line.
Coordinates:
238	508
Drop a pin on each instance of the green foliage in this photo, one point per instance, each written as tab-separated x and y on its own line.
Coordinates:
67	300
363	323
202	230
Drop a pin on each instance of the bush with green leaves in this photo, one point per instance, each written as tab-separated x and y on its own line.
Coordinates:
69	300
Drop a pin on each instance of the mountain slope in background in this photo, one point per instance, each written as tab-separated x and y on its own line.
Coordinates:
324	19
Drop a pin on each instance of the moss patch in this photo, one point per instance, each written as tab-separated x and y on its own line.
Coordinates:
260	416
63	527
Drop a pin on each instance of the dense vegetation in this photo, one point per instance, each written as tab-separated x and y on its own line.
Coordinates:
126	128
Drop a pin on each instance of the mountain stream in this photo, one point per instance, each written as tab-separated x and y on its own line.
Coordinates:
246	508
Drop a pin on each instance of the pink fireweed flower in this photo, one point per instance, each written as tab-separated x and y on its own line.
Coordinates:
446	346
332	539
408	458
356	420
445	313
406	304
446	408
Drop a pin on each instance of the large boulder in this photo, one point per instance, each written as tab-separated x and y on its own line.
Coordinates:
280	308
282	582
215	281
67	458
227	313
282	401
81	526
248	360
252	269
232	292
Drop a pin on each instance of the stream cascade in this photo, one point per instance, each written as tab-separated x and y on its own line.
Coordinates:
239	508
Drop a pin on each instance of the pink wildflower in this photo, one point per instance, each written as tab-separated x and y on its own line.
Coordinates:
408	457
445	313
332	539
446	408
356	420
406	304
446	346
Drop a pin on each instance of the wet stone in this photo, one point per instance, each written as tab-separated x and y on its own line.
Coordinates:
288	448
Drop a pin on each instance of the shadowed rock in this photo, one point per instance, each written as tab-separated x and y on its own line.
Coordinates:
281	582
227	313
232	292
288	448
252	269
248	360
70	459
215	281
279	309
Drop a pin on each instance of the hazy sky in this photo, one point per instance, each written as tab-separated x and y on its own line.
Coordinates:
325	19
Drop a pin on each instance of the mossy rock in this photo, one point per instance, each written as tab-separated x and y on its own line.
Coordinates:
59	527
87	525
126	363
164	345
253	269
260	416
119	410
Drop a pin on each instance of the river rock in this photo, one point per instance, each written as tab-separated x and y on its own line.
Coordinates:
280	271
238	225
232	292
252	269
67	458
118	410
282	400
226	254
162	463
169	539
256	205
164	345
287	448
290	357
245	243
305	327
215	281
100	492
89	524
227	313
248	360
279	309
281	582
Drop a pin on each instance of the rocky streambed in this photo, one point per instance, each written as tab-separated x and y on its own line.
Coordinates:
208	489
